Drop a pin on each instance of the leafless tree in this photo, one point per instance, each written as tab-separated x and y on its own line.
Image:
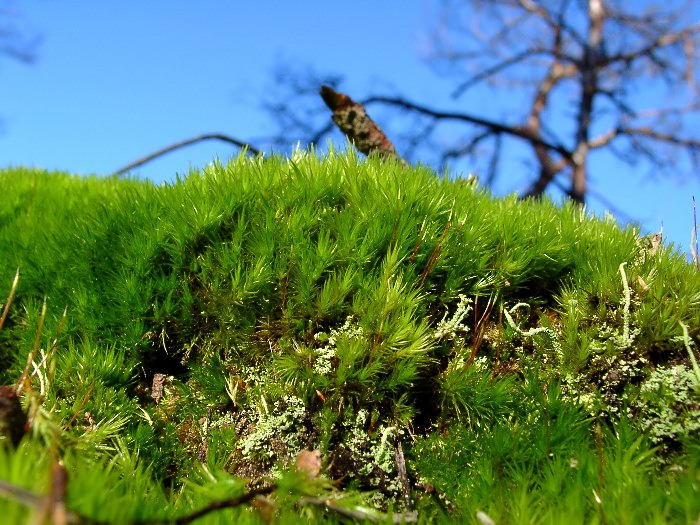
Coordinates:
584	72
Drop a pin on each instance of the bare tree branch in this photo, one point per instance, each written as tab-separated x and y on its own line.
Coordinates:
497	68
691	144
664	40
497	127
182	144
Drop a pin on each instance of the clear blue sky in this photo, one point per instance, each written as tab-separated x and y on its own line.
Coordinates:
115	80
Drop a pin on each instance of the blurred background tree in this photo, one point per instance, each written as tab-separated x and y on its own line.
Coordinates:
572	78
17	41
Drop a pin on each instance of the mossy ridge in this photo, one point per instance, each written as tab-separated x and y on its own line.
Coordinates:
322	284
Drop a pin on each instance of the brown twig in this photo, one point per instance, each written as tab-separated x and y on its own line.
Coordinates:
80	407
23	380
212	507
54	506
480	327
182	144
39	503
601	463
226	504
13	288
435	254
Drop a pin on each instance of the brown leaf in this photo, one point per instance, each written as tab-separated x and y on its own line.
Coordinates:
309	461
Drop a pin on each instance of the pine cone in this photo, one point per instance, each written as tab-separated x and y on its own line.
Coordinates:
13	420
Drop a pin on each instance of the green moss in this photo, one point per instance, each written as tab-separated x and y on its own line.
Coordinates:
346	305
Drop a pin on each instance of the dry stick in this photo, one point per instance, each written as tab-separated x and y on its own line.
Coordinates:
9	299
392	243
419	242
434	256
480	327
35	501
360	515
547	422
599	495
182	144
403	477
80	407
54	343
216	505
54	506
57	496
500	329
23	380
56	501
20	495
353	120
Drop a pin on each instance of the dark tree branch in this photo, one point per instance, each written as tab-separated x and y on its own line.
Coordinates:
647	51
522	132
316	137
497	68
182	144
646	131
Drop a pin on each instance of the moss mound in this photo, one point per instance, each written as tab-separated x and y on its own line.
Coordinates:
347	340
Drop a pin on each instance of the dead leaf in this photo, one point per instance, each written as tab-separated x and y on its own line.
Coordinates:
309	461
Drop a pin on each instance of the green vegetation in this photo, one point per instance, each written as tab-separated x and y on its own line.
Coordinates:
533	364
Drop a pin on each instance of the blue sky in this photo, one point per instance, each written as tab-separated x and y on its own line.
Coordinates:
115	80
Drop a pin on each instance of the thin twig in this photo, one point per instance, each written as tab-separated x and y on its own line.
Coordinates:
9	299
601	463
23	380
226	504
403	477
80	407
34	501
182	144
360	514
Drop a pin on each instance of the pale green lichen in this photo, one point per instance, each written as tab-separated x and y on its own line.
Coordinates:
454	326
556	345
374	455
323	364
282	422
668	406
